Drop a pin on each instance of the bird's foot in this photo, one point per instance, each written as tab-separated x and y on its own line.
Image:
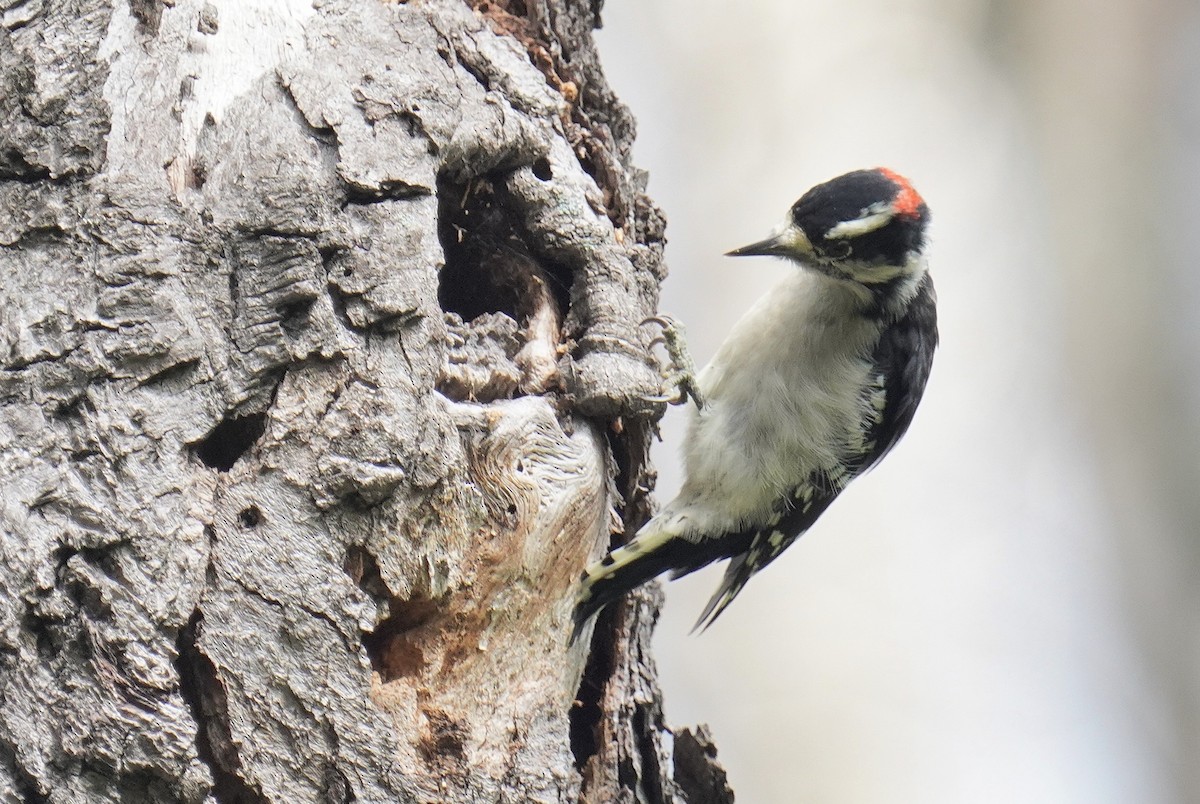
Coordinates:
679	374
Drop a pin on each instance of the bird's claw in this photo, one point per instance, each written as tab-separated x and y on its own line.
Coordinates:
680	372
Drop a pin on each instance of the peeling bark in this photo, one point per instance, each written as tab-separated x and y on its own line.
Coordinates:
322	379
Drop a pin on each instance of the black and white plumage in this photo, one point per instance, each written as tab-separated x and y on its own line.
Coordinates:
816	383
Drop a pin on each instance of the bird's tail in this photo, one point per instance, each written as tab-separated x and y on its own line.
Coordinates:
658	547
737	574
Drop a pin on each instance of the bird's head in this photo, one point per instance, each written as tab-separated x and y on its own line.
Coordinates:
867	226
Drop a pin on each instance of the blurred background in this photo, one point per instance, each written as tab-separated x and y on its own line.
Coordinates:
1008	609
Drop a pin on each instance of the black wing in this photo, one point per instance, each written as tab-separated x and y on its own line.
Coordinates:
902	358
761	546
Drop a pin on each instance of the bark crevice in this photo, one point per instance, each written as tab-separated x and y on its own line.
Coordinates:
26	783
586	711
201	688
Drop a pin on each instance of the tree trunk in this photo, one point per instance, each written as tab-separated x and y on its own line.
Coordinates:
323	379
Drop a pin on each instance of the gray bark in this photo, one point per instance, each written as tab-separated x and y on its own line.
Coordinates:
322	380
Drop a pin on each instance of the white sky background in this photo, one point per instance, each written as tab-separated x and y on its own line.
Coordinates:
998	613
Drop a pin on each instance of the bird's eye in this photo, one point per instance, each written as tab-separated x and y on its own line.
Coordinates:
837	249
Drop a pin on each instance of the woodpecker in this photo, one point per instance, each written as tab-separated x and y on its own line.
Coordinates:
813	387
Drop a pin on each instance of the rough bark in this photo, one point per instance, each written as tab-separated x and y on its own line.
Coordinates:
322	379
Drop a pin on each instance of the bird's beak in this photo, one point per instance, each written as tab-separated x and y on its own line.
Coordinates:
790	242
763	248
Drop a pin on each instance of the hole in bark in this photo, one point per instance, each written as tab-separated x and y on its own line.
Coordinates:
293	316
489	268
541	169
250	517
201	688
230	440
477	241
393	652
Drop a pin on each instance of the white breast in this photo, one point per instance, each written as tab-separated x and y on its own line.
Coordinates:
783	398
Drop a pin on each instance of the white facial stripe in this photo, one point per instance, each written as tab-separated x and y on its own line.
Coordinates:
878	274
874	217
913	268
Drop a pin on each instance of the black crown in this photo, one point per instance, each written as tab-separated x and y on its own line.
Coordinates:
849	197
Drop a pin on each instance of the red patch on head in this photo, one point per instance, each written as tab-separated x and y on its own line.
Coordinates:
908	202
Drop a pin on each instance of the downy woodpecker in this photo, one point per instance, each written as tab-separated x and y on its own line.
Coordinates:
816	383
